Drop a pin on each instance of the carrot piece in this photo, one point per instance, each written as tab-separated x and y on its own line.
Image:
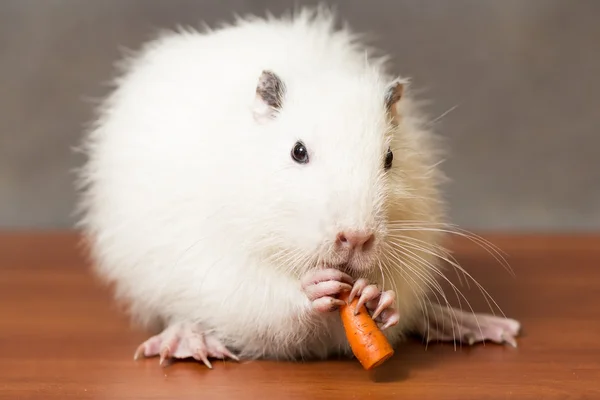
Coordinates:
366	340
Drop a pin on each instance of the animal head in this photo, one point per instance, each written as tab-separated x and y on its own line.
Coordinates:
344	170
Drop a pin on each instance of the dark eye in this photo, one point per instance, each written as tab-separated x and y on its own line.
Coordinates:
299	153
389	157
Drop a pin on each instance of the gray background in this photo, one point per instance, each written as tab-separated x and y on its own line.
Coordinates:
525	75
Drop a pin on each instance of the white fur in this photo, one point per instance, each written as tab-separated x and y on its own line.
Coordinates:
196	211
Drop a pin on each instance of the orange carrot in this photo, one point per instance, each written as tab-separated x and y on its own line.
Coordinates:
366	340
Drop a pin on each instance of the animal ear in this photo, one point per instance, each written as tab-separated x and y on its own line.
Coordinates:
270	90
393	94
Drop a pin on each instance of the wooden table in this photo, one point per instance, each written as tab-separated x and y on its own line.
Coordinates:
61	337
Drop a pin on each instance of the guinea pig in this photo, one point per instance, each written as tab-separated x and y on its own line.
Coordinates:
237	179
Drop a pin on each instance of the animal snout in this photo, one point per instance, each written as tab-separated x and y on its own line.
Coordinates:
356	240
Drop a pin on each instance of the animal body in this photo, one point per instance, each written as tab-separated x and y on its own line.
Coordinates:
239	178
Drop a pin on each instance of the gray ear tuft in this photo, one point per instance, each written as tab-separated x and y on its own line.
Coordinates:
393	94
270	91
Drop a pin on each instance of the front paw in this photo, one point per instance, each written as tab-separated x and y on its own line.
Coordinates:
321	287
381	305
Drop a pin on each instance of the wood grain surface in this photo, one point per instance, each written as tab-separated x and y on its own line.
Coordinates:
62	337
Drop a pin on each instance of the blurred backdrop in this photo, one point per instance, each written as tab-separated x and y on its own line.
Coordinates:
524	77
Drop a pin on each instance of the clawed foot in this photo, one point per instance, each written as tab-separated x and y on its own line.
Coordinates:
322	287
381	305
184	341
450	324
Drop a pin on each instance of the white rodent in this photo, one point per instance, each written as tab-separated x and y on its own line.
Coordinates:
238	178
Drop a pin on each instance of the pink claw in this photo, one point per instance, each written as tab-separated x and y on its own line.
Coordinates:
371	292
385	301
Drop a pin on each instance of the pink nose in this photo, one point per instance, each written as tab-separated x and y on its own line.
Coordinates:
356	240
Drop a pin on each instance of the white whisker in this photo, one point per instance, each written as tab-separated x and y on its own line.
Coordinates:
486	295
430	266
428	280
450	229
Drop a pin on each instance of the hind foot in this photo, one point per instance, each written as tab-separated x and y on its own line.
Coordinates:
450	324
184	340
